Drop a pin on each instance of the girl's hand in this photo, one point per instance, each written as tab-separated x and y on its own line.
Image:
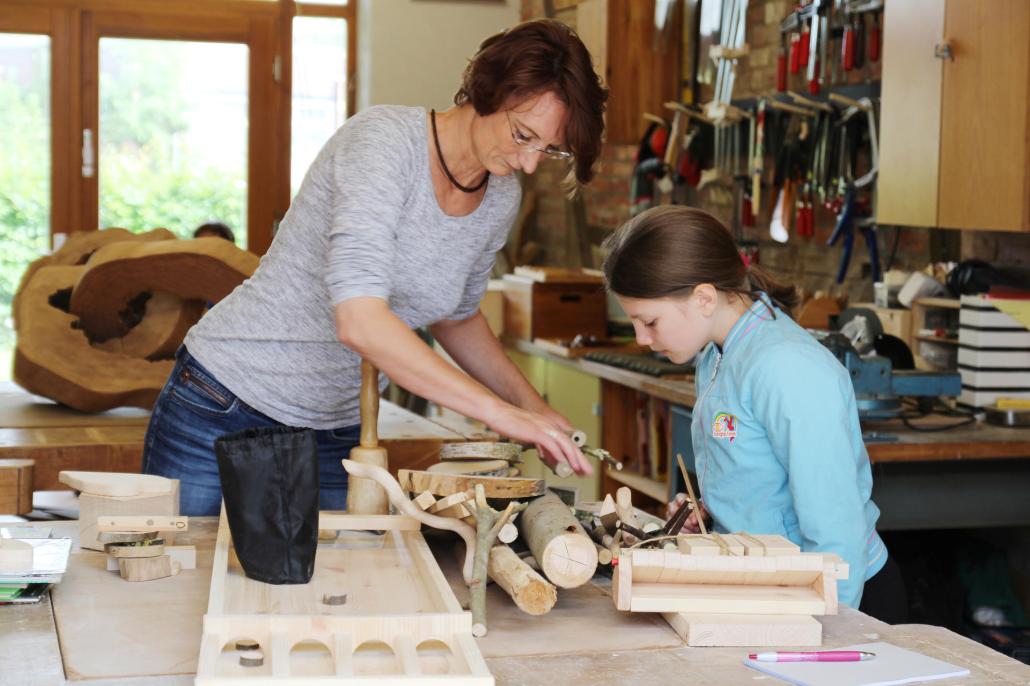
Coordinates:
551	440
690	526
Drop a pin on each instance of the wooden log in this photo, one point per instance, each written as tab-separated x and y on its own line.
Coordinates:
480	450
532	593
16	486
205	269
447	484
55	360
565	552
366	496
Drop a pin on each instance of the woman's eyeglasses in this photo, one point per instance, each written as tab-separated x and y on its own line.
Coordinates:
533	144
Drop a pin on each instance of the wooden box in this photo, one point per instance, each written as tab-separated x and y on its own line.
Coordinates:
554	309
16	487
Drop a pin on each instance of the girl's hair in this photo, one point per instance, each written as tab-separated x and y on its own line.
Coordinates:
533	58
668	250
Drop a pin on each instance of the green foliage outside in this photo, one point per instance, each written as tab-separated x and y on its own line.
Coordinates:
149	179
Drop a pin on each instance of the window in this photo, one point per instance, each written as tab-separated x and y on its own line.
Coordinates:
25	170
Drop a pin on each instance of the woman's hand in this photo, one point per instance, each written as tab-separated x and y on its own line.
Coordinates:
690	526
547	431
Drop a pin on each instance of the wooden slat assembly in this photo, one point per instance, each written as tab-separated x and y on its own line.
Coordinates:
732	589
401	623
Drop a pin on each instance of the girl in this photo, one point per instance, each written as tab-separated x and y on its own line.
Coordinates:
776	434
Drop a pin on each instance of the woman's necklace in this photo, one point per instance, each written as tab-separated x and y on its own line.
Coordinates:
439	154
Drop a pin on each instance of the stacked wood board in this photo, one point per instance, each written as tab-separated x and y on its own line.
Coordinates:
399	622
994	351
732	589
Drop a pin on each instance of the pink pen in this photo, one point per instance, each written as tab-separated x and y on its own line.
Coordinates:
818	656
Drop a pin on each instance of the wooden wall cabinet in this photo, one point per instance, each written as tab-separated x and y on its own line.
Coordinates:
954	125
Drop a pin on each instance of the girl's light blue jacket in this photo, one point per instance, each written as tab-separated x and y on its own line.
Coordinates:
778	447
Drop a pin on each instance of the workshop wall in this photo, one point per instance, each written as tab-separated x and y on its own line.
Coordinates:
413	52
807	262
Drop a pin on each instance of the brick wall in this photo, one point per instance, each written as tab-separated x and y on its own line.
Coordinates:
807	262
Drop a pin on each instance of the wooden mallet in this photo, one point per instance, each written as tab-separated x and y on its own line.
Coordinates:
365	496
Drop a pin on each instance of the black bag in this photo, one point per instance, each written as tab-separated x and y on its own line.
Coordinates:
270	485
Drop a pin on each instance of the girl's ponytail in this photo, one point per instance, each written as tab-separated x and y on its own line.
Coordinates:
784	296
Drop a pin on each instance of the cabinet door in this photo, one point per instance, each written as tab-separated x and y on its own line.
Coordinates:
984	146
910	113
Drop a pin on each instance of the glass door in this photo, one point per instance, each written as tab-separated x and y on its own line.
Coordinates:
24	169
173	135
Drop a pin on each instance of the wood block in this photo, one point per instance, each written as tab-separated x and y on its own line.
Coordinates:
16	486
115	484
449	501
184	555
147	568
712	630
424	501
720	598
91	507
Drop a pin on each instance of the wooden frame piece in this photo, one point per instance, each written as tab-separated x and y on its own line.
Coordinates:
401	623
671	581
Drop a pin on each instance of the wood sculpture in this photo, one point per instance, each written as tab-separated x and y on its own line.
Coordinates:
55	360
97	319
197	269
78	248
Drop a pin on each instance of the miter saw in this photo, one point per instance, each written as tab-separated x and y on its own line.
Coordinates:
879	385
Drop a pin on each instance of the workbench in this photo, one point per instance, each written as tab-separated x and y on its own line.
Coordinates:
972	476
59	438
99	627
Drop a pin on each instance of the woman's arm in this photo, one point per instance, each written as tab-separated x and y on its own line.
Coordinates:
476	350
367	326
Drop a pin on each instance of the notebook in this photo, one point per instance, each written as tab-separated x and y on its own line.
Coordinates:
892	665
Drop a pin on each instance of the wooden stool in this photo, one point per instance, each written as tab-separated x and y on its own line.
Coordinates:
16	486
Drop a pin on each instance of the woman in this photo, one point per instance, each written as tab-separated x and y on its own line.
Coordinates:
775	429
395	227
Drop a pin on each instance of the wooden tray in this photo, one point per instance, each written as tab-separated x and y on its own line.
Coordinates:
401	623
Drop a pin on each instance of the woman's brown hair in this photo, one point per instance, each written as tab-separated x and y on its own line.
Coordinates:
668	250
534	58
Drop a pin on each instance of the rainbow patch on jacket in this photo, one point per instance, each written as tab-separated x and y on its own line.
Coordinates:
724	426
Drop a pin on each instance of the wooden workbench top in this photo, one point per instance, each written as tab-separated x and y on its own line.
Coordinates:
974	441
58	438
117	633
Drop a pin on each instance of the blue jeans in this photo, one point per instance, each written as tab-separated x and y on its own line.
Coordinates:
193	410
